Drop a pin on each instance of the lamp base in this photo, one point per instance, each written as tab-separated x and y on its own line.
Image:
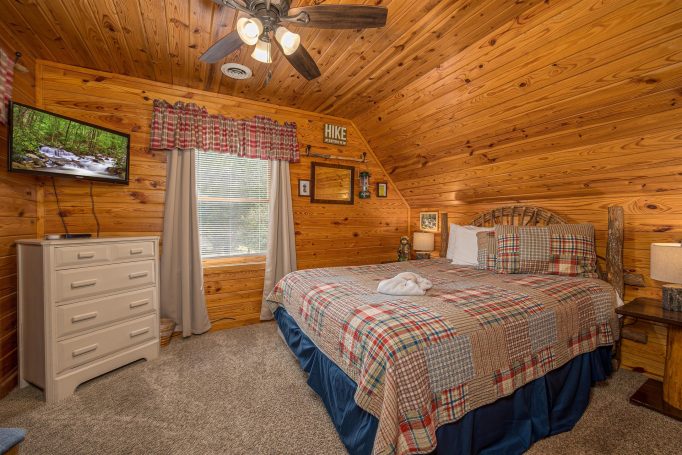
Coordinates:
422	254
672	297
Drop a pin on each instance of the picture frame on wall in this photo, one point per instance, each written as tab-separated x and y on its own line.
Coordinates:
304	187
382	189
428	221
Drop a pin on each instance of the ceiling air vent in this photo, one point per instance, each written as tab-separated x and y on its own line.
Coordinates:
236	71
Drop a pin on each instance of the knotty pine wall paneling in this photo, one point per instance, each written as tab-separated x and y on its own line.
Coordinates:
326	235
18	220
574	107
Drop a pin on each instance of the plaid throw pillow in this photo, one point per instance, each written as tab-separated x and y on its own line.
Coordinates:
487	250
558	249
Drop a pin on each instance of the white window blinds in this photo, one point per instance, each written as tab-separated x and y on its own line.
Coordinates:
232	195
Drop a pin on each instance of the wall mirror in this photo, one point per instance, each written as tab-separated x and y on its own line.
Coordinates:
331	183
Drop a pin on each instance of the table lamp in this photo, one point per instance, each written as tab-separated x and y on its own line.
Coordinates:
422	243
666	265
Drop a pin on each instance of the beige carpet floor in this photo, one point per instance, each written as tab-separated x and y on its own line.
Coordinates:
241	392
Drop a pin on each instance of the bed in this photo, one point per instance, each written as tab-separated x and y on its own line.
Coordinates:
483	363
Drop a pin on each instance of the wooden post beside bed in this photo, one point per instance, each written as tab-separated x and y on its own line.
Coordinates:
444	232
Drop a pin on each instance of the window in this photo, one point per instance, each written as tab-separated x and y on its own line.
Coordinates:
233	194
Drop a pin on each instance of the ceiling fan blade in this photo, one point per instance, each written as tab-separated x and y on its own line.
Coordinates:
222	48
302	62
338	16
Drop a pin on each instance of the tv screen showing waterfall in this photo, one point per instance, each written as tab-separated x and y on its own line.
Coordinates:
49	144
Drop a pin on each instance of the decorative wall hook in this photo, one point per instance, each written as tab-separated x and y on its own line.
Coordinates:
18	66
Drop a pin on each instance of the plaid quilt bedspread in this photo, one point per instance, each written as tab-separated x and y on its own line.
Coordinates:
476	336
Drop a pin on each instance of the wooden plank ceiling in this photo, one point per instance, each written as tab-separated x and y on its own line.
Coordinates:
567	100
463	101
162	41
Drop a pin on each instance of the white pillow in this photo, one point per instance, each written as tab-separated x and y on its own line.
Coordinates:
463	245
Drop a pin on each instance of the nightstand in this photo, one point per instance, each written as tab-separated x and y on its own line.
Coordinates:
664	397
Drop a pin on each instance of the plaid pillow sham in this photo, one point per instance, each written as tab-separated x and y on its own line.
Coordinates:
487	250
559	249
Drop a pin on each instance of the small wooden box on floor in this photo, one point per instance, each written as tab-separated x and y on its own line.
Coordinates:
85	307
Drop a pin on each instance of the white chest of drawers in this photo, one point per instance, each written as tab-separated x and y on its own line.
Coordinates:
85	307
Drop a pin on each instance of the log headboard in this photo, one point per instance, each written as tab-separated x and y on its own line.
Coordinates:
519	215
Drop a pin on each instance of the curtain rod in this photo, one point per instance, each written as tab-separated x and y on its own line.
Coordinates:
308	153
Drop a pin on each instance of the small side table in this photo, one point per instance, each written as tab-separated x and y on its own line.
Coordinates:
664	397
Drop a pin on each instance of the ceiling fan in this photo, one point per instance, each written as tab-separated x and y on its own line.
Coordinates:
265	17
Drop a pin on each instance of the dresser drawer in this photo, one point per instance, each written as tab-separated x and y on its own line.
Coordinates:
77	317
82	255
133	250
83	349
94	281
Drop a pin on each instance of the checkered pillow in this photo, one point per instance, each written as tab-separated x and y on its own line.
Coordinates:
487	250
559	249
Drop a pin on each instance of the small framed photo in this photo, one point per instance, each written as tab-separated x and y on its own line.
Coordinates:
304	187
382	189
428	221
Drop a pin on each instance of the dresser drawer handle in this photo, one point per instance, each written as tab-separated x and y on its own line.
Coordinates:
83	284
84	317
86	255
139	303
136	251
137	333
132	276
84	350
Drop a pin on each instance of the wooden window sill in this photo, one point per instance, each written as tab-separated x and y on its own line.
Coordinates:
233	262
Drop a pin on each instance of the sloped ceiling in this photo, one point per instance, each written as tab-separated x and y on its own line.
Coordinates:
571	98
463	101
162	40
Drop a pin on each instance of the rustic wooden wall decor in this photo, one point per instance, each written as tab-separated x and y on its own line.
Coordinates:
332	183
335	134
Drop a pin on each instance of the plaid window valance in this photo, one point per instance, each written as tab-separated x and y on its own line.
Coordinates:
6	78
186	125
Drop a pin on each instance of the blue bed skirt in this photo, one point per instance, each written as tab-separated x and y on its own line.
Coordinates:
549	405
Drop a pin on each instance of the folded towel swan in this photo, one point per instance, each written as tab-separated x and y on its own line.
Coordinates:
405	283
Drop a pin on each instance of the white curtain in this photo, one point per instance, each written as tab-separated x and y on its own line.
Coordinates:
182	281
281	255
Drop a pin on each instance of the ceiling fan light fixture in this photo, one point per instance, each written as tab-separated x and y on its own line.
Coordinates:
288	40
249	29
262	52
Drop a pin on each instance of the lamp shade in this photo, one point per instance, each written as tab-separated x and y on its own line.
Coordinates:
423	241
262	52
249	29
666	262
288	40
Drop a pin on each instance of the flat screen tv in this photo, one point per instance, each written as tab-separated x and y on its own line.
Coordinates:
47	144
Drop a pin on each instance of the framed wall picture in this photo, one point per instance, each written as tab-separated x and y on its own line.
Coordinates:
382	189
428	221
331	183
304	187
